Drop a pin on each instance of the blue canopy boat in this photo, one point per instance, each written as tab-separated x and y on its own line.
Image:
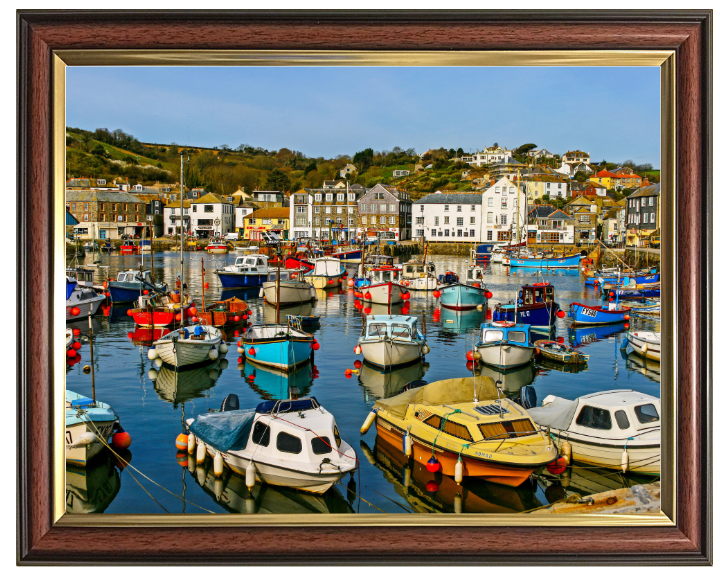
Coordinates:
88	427
562	262
505	345
247	272
535	307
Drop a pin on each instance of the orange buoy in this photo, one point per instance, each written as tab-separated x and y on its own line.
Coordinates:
181	442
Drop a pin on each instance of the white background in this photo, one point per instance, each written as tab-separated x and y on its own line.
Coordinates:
8	244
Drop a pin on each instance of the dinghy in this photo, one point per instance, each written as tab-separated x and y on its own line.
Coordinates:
281	346
291	443
618	429
560	352
189	345
646	344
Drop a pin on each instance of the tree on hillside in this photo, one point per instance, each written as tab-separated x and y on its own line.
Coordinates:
525	148
363	160
310	167
277	180
581	176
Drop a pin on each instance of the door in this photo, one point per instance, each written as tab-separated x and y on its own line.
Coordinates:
102	235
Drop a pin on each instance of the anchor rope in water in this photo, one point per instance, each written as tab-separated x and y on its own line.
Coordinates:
361	498
127	464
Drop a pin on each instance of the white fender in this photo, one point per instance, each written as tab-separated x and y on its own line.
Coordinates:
191	443
218	464
457	504
407	444
458	471
223	348
213	354
201	475
250	475
200	452
84	440
152	353
625	462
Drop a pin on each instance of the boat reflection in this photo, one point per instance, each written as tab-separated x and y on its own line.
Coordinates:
644	366
242	293
91	489
547	364
180	386
380	383
512	380
425	491
269	312
146	336
383	309
272	384
585	481
230	492
582	336
119	313
544	272
458	322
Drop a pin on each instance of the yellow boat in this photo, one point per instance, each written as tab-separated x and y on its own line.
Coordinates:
467	427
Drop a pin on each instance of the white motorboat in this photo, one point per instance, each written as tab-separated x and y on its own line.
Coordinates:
504	345
189	345
646	344
383	286
293	288
474	276
419	276
88	427
81	302
327	273
618	429
392	341
69	338
292	443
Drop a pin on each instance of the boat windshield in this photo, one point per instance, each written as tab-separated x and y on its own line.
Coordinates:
400	331
376	330
646	413
517	336
492	335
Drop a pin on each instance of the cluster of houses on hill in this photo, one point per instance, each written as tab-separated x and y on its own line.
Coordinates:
512	206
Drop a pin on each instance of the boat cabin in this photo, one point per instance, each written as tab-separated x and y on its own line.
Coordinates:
474	274
392	328
384	274
378	260
482	252
292	275
328	267
135	276
506	332
536	293
613	414
418	270
83	276
254	264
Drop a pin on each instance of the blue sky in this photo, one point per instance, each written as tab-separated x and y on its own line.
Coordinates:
611	113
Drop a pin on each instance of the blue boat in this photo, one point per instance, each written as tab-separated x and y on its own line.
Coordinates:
563	262
131	284
463	296
279	346
247	272
348	255
88	427
504	345
640	279
535	307
605	314
482	253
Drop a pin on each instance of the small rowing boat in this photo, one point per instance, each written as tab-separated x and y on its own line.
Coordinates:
560	352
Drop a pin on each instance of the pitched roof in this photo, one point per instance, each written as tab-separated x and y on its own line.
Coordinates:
576	153
450	199
579	200
651	190
211	198
271	213
101	196
541	211
559	215
176	204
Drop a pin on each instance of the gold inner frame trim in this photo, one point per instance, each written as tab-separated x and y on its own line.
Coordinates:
665	59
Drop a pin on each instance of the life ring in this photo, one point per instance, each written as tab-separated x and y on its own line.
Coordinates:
504	324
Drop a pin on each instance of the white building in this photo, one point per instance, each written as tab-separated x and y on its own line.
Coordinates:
503	212
448	217
575	161
346	170
241	211
488	155
211	216
171	217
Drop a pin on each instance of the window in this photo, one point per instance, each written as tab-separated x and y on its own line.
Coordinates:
503	219
379	196
645	218
490	218
447	207
85	206
459	208
516	336
382	219
591	417
622	420
503	203
336	433
447	220
472	208
433	232
652	217
85	217
472	232
114	207
646	413
328	209
364	219
373	220
288	443
391	208
497	189
472	219
447	232
321	445
437	220
490	203
119	218
489	235
208	208
261	434
351	222
642	201
351	197
449	427
327	221
318	197
419	220
299	209
650	201
422	207
341	197
383	207
194	207
339	210
459	222
504	190
317	209
351	210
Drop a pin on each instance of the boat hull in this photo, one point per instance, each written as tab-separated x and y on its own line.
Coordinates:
160	318
87	308
290	293
568	262
223	249
282	353
80	455
121	292
350	256
648	348
385	293
539	315
386	353
462	297
427	284
234	280
185	352
588	315
505	355
325	282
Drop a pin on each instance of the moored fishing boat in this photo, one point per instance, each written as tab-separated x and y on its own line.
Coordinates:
389	340
465	427
159	311
605	314
287	288
349	256
131	284
419	276
326	273
503	345
88	427
559	352
549	262
190	345
482	254
281	346
646	344
618	429
129	247
463	296
247	272
230	312
81	302
293	443
218	247
383	286
535	306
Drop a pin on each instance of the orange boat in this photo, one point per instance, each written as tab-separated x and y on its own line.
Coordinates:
224	313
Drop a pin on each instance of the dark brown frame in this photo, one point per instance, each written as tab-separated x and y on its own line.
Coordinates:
687	33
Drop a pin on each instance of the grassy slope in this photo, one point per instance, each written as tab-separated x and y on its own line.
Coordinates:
118	153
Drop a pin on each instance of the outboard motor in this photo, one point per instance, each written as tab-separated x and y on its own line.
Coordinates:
528	397
231	402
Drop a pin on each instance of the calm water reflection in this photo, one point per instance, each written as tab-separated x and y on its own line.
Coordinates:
152	402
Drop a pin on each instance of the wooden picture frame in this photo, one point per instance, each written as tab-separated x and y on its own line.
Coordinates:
685	34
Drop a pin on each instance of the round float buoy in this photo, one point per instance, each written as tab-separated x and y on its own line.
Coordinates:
367	310
182	459
152	353
488	295
251	377
223	348
146	292
130	312
432	465
181	441
331	281
192	311
469	356
358	349
357	364
560	314
561	339
194	319
158	362
432	486
557	467
207	285
213	354
236	333
315	346
71	353
625	460
249	312
627	316
131	335
86	369
366	295
121	440
436	293
626	326
76	346
177	317
75	311
348	373
351	283
76	331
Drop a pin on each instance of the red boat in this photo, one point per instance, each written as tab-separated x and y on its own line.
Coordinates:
129	247
166	310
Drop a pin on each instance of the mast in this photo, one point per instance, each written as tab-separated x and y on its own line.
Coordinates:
202	268
182	236
277	285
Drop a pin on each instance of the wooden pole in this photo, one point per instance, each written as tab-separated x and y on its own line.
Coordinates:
277	286
92	360
202	268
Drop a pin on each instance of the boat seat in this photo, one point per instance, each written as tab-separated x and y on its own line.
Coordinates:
198	337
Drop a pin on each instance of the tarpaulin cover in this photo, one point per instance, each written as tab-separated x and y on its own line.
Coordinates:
452	391
224	430
558	414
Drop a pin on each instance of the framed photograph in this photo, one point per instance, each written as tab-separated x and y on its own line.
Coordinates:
364	287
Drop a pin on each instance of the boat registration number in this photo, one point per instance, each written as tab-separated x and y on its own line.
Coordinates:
483	454
589	312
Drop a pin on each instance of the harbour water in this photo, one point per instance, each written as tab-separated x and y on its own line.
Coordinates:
152	410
